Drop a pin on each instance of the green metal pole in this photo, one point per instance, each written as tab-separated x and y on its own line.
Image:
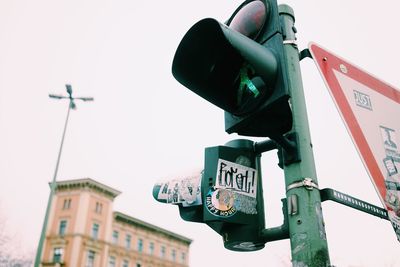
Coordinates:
306	225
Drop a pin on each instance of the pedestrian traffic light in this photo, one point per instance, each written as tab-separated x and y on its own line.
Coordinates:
233	195
227	195
239	66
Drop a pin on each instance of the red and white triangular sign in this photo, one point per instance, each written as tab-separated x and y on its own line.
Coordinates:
370	109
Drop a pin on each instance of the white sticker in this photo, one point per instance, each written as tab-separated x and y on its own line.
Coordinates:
184	190
238	178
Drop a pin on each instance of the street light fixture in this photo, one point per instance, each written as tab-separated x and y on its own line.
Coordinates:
71	105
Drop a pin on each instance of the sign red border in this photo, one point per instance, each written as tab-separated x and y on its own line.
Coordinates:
327	63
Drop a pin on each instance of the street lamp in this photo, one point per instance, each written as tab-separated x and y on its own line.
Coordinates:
71	105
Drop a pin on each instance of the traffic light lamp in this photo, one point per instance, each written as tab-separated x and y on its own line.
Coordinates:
239	66
227	195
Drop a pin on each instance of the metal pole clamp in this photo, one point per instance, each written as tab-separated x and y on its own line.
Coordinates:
306	182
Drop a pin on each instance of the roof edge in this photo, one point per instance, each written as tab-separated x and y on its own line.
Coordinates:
88	182
129	219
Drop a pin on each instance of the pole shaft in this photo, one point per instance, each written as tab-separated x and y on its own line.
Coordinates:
309	246
39	251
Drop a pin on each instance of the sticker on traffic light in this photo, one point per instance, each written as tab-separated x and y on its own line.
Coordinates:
220	202
237	177
184	190
235	188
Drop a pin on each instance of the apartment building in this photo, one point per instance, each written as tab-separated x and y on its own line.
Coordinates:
84	230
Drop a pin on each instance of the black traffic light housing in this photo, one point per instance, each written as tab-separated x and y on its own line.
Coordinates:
240	67
245	77
227	195
233	196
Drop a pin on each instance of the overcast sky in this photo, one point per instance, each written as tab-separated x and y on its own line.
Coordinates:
144	126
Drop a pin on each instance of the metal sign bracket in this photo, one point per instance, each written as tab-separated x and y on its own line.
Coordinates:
352	202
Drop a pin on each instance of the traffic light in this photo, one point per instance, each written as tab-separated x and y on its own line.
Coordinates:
239	66
233	195
227	195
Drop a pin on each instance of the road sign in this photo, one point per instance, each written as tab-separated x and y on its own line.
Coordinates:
370	109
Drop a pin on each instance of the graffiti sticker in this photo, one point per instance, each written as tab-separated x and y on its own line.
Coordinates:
220	202
237	178
392	179
389	138
184	190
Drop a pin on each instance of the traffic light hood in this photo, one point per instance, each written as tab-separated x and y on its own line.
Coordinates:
243	77
210	61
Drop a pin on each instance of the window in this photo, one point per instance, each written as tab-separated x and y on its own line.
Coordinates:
128	241
67	204
151	248
90	258
95	231
125	263
111	261
62	228
183	257
140	245
115	237
99	207
162	253
173	255
58	255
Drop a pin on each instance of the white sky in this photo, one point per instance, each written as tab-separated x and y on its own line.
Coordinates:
143	125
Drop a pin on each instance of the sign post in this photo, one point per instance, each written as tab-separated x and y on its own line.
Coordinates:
306	224
370	109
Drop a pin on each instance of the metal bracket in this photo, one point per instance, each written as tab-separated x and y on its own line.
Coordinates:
305	53
290	42
280	232
289	152
263	146
306	182
352	202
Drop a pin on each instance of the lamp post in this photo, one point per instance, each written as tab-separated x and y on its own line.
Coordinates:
53	183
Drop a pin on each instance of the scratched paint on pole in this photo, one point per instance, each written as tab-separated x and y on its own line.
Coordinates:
370	109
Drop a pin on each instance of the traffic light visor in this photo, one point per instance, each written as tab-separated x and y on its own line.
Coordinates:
207	64
224	66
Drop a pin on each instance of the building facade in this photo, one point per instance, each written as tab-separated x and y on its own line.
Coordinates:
83	230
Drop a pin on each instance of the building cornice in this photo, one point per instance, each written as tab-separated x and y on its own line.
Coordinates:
87	183
120	217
